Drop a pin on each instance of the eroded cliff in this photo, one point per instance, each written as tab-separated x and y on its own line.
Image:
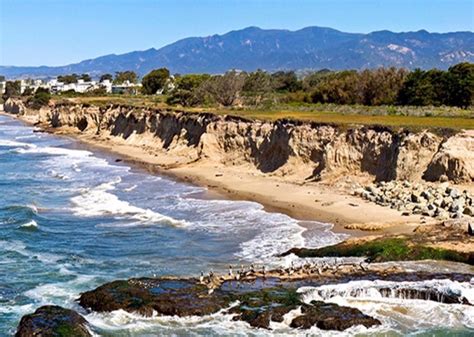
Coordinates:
307	151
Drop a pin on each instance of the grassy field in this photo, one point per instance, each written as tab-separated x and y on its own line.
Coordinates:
395	117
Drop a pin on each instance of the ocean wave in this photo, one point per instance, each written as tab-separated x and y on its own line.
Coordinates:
12	143
20	248
98	201
122	323
274	233
61	293
30	225
380	289
395	309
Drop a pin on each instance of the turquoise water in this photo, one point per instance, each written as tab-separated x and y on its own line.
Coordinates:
72	219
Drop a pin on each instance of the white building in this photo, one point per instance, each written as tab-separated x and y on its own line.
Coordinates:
3	84
32	84
126	88
80	86
107	84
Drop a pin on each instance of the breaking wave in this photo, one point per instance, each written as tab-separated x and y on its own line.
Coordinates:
98	201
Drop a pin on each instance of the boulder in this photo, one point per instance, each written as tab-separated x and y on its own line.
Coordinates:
454	159
14	106
53	321
330	316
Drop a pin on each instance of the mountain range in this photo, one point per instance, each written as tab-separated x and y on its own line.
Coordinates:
273	49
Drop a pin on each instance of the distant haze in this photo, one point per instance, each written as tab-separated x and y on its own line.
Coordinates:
254	48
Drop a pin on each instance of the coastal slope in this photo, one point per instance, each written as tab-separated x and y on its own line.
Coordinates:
307	169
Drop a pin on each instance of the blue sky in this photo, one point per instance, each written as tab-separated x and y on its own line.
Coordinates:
57	32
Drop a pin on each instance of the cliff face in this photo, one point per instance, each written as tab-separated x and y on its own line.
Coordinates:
306	151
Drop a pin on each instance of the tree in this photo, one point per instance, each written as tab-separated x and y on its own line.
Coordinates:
40	98
312	80
86	77
380	86
424	88
122	76
2	78
460	85
257	86
285	81
339	88
12	89
68	79
225	89
28	91
191	81
155	80
105	77
185	97
188	90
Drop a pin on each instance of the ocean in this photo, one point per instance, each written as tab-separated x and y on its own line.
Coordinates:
72	218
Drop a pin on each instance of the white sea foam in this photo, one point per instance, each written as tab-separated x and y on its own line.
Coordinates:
121	322
62	293
27	136
129	189
373	289
29	224
58	151
98	201
398	312
12	143
275	233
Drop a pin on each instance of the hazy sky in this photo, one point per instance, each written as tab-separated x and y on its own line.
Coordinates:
57	32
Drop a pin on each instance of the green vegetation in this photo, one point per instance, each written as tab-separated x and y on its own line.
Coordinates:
122	76
155	81
106	77
396	117
391	97
386	249
39	99
12	89
374	87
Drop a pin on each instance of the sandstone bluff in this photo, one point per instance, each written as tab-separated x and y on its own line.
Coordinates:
303	150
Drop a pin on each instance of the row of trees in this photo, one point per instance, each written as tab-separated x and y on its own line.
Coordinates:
382	86
119	78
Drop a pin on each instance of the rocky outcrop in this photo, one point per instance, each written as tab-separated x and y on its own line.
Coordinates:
53	321
14	106
454	160
277	296
450	241
257	305
442	201
329	316
302	150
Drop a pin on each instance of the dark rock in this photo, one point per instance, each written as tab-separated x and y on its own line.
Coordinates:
330	316
53	321
165	296
261	318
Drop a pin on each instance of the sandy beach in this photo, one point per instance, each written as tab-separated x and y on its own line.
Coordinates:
304	201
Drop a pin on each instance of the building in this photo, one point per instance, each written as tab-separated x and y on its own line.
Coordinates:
80	86
126	88
32	85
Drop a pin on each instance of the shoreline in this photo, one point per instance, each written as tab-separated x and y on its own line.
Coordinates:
302	201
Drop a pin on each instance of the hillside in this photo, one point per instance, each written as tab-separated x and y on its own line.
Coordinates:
253	48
